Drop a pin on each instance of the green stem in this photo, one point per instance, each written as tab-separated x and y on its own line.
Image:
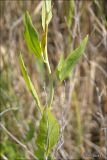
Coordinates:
51	90
46	55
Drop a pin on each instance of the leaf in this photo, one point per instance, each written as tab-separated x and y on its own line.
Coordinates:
46	13
60	65
29	83
66	67
48	134
31	36
43	42
41	70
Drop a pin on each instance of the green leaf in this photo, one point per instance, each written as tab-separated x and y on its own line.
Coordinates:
48	134
29	83
31	36
41	70
60	65
46	13
65	68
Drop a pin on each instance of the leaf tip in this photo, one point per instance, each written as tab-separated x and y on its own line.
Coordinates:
86	38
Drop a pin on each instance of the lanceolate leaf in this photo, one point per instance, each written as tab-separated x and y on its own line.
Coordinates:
29	83
48	135
31	36
46	13
66	67
60	65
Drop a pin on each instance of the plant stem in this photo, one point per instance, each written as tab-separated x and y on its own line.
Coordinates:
51	90
46	55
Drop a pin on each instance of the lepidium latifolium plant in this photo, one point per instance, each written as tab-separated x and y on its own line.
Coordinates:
49	128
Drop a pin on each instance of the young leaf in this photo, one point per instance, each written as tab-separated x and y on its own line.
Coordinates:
31	36
60	65
65	68
46	13
48	134
29	83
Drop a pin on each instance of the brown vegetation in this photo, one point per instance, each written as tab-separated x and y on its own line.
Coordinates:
80	104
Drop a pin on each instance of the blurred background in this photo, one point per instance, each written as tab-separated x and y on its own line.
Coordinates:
80	103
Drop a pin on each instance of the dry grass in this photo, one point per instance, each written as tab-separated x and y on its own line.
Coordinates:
80	104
